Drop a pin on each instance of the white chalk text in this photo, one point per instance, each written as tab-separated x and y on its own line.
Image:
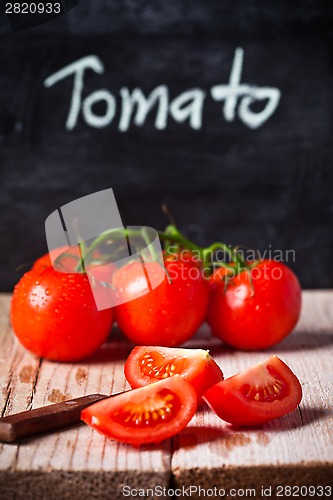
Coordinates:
132	107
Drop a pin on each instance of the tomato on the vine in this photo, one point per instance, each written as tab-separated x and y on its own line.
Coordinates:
256	308
147	364
148	414
185	256
67	263
54	315
255	396
66	259
167	315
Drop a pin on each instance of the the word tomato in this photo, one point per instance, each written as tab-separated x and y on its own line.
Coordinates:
54	315
147	364
256	310
149	414
167	315
255	396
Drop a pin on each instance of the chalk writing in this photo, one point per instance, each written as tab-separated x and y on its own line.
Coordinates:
188	106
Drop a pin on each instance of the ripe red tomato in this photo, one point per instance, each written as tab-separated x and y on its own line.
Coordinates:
149	414
67	262
170	313
255	396
54	315
147	364
184	256
255	318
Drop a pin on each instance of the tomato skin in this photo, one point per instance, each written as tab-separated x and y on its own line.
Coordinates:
148	364
134	417
54	315
170	313
184	256
233	399
66	263
250	321
45	260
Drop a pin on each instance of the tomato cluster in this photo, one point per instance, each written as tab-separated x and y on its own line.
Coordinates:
248	306
167	383
54	315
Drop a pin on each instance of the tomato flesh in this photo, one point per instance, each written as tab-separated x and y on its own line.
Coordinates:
255	313
257	395
148	414
276	388
147	364
151	412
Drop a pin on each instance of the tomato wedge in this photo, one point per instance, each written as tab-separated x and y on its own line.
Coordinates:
147	364
148	414
255	396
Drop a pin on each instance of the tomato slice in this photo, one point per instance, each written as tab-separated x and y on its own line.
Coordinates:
147	364
148	414
255	396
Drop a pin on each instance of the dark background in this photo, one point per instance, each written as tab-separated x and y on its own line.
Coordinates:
268	186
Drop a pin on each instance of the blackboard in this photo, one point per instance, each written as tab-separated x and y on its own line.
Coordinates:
224	176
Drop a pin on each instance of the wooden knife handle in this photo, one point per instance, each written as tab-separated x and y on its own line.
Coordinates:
47	418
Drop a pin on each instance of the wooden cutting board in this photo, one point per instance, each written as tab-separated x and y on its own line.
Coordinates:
77	463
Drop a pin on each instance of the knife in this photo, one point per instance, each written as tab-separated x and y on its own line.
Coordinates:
48	418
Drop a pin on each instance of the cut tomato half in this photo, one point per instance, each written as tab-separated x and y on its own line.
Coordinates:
255	396
147	364
145	415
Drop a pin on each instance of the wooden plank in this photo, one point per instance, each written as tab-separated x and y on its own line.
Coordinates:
295	449
18	373
102	465
75	463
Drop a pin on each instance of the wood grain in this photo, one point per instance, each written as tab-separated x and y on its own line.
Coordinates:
77	462
298	446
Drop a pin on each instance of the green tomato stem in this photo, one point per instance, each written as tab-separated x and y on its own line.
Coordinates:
170	236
